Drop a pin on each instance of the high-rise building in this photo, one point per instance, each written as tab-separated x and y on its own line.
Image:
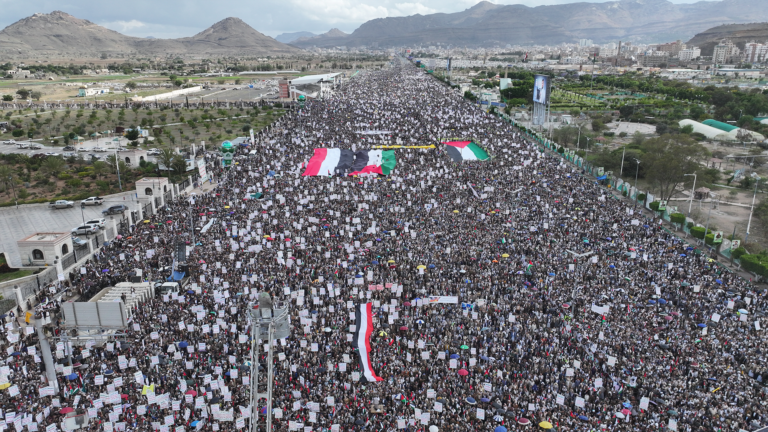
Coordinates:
672	48
585	42
755	52
724	51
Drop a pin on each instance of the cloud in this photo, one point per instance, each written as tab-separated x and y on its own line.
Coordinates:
124	26
405	9
338	11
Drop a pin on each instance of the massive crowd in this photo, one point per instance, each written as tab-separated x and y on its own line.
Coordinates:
572	309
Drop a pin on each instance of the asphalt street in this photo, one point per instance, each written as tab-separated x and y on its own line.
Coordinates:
16	224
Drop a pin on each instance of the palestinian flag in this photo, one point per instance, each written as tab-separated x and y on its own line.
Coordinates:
461	151
362	340
374	161
329	161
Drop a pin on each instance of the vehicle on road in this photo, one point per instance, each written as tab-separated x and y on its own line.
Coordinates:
84	149
60	204
35	146
22	145
153	153
69	154
51	154
116	209
93	201
85	229
99	222
9	142
69	148
100	149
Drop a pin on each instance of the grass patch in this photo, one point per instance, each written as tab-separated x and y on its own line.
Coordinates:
15	275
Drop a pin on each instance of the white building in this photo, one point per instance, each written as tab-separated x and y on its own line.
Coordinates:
45	248
724	51
755	52
689	54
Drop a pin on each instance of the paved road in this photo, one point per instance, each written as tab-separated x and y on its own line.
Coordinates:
16	224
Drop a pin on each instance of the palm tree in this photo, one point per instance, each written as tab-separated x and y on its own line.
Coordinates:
6	176
53	165
165	158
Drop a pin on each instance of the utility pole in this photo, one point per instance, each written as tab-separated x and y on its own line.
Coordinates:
751	210
693	190
637	170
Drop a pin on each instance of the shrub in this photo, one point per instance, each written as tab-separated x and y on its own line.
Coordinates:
738	252
757	264
677	218
698	232
625	193
689	225
654	206
64	176
609	134
23	193
18	133
641	197
75	182
709	239
623	134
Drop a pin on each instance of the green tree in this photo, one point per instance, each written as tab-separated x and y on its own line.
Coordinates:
100	168
178	164
36	95
687	129
667	158
7	98
132	135
165	158
23	93
53	166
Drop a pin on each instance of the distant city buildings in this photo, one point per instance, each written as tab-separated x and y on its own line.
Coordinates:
724	52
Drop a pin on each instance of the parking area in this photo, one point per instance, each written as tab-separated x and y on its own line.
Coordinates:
17	223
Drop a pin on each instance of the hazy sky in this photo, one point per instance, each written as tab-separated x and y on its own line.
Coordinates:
177	18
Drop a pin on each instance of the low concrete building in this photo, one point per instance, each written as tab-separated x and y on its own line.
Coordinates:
44	248
133	158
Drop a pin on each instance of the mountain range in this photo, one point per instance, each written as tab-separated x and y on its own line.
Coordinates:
290	37
59	34
739	34
491	24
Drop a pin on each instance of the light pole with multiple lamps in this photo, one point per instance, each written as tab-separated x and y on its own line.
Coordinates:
752	209
637	170
693	190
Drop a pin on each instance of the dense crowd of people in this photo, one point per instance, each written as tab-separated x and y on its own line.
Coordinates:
570	309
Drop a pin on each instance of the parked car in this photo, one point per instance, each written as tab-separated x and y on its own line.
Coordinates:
99	149
60	204
69	148
153	152
22	145
51	154
69	154
84	149
93	201
78	241
9	142
98	222
85	229
35	146
116	209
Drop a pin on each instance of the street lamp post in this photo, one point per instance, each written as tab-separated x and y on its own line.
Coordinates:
15	200
693	189
637	170
752	209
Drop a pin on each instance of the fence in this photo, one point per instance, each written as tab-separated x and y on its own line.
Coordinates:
183	185
71	259
147	209
168	197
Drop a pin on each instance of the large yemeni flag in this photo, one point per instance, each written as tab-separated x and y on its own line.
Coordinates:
374	161
362	340
329	161
465	151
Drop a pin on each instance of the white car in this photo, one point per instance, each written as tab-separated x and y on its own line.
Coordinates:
69	154
85	229
84	149
9	142
22	145
99	149
35	146
51	154
98	222
94	200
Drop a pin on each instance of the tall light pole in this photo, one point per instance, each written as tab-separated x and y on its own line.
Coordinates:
752	209
637	170
693	189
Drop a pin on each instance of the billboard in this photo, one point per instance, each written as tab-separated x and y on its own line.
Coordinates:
541	89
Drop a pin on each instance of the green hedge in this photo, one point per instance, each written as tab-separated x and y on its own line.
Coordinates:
738	252
654	206
677	218
641	197
757	264
709	239
698	232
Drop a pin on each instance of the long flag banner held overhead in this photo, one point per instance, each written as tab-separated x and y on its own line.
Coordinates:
461	151
329	161
374	161
362	340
